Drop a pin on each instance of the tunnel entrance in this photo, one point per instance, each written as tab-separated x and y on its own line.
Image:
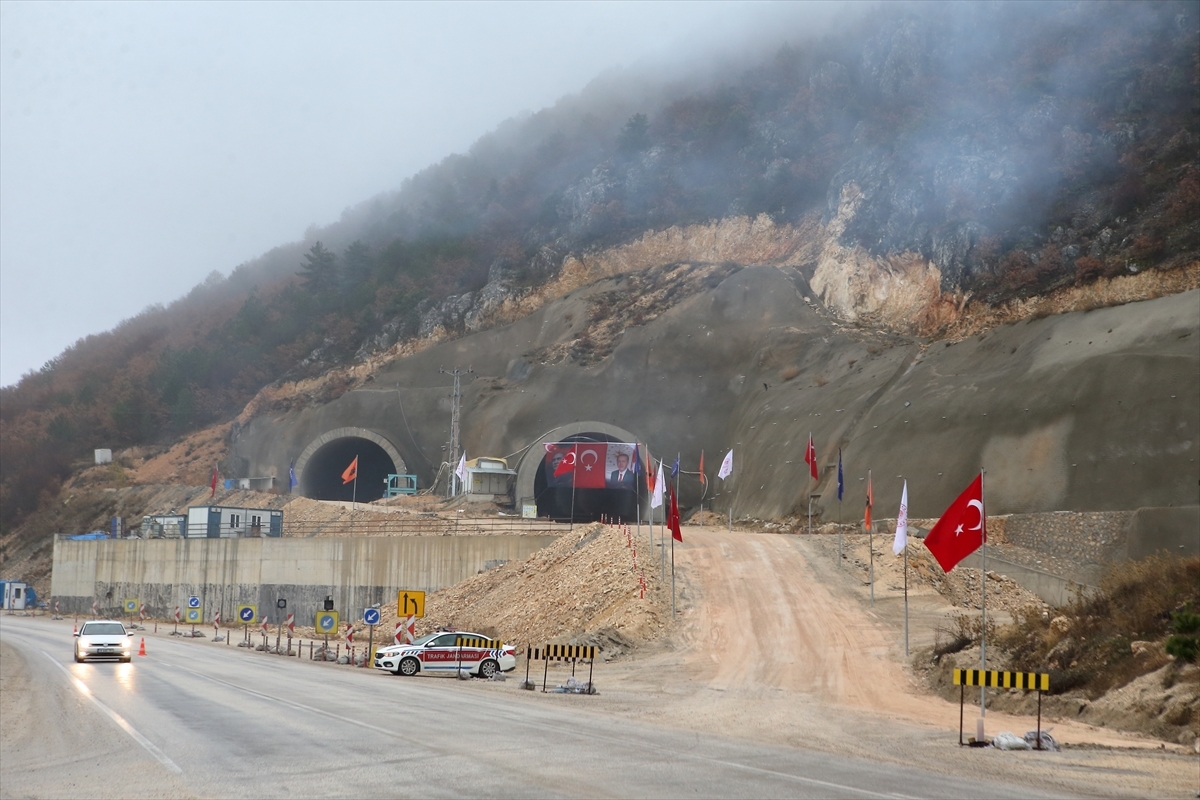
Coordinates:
321	478
593	488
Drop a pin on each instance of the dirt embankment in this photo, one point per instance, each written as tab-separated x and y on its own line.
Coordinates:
586	588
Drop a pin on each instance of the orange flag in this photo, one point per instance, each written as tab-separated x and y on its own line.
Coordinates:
703	477
351	471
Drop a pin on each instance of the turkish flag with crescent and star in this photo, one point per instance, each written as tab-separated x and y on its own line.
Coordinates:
962	528
587	461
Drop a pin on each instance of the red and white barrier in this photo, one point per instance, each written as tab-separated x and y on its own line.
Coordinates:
177	616
217	623
410	629
95	609
291	625
142	612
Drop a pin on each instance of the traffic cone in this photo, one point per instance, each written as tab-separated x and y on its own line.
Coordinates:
75	629
142	648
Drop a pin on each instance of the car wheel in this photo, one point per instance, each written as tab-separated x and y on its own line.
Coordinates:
409	666
79	659
488	668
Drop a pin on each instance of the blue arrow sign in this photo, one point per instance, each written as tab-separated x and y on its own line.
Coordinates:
326	623
193	602
371	616
247	614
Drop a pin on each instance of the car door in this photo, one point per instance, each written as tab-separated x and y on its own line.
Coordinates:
440	653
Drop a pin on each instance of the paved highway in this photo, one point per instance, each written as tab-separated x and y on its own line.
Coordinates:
197	719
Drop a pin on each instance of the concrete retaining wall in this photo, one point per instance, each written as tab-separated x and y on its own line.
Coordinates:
225	573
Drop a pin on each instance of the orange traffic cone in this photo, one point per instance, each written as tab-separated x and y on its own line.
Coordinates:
142	648
75	629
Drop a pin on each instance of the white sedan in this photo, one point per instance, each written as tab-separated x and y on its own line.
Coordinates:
103	638
440	653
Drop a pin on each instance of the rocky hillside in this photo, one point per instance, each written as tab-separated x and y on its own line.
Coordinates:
910	162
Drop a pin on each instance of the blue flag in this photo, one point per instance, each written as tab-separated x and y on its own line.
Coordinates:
636	464
841	480
292	482
675	467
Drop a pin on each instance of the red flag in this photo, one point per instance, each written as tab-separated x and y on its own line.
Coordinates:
586	461
567	463
703	477
810	457
351	472
870	502
673	517
213	493
650	475
962	528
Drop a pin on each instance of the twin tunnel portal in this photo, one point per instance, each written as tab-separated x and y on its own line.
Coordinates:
322	465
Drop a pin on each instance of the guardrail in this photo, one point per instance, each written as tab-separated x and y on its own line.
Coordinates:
561	652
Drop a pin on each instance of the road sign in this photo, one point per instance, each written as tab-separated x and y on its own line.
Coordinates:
410	603
193	602
281	603
326	622
131	605
371	616
247	614
193	616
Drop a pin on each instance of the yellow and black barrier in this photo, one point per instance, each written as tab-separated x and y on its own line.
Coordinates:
1001	679
561	652
474	643
478	643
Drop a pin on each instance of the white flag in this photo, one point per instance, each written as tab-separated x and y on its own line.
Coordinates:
902	523
660	486
461	471
726	466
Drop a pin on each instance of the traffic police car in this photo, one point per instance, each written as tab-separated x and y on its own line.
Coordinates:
439	653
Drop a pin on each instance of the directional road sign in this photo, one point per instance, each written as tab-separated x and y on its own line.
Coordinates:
247	614
326	622
193	616
193	602
371	616
131	605
410	603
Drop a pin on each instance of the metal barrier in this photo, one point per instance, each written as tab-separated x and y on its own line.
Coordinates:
561	652
475	643
1000	679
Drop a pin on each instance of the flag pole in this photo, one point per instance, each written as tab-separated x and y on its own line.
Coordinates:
354	489
906	599
871	544
983	586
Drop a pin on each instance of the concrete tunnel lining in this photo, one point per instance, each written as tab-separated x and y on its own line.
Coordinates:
345	433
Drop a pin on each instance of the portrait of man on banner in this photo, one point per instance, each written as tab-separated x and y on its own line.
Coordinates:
620	473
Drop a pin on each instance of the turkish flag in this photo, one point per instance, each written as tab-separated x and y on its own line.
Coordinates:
213	493
351	472
590	459
585	461
962	528
810	457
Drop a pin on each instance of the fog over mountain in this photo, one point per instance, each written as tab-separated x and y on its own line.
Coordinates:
915	158
143	146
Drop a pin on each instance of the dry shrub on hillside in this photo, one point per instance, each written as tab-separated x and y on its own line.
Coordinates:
1087	643
788	373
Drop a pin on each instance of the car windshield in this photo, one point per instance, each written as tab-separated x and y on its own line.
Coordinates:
426	638
102	629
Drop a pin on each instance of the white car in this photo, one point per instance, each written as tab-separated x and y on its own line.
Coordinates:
103	638
439	653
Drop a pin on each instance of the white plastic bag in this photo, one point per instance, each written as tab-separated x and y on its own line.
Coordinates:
1009	741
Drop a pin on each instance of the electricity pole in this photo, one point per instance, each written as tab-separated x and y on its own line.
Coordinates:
455	400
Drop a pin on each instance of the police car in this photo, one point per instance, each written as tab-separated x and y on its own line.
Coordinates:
439	653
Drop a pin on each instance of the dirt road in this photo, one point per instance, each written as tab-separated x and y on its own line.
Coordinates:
779	645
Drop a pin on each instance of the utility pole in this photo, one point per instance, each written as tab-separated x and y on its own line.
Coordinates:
455	400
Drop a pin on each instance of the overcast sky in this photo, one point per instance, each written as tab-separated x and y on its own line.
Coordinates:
144	145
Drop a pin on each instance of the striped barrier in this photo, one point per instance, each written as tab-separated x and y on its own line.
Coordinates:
1000	679
475	643
561	652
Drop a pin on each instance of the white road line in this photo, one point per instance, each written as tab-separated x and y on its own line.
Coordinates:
163	758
